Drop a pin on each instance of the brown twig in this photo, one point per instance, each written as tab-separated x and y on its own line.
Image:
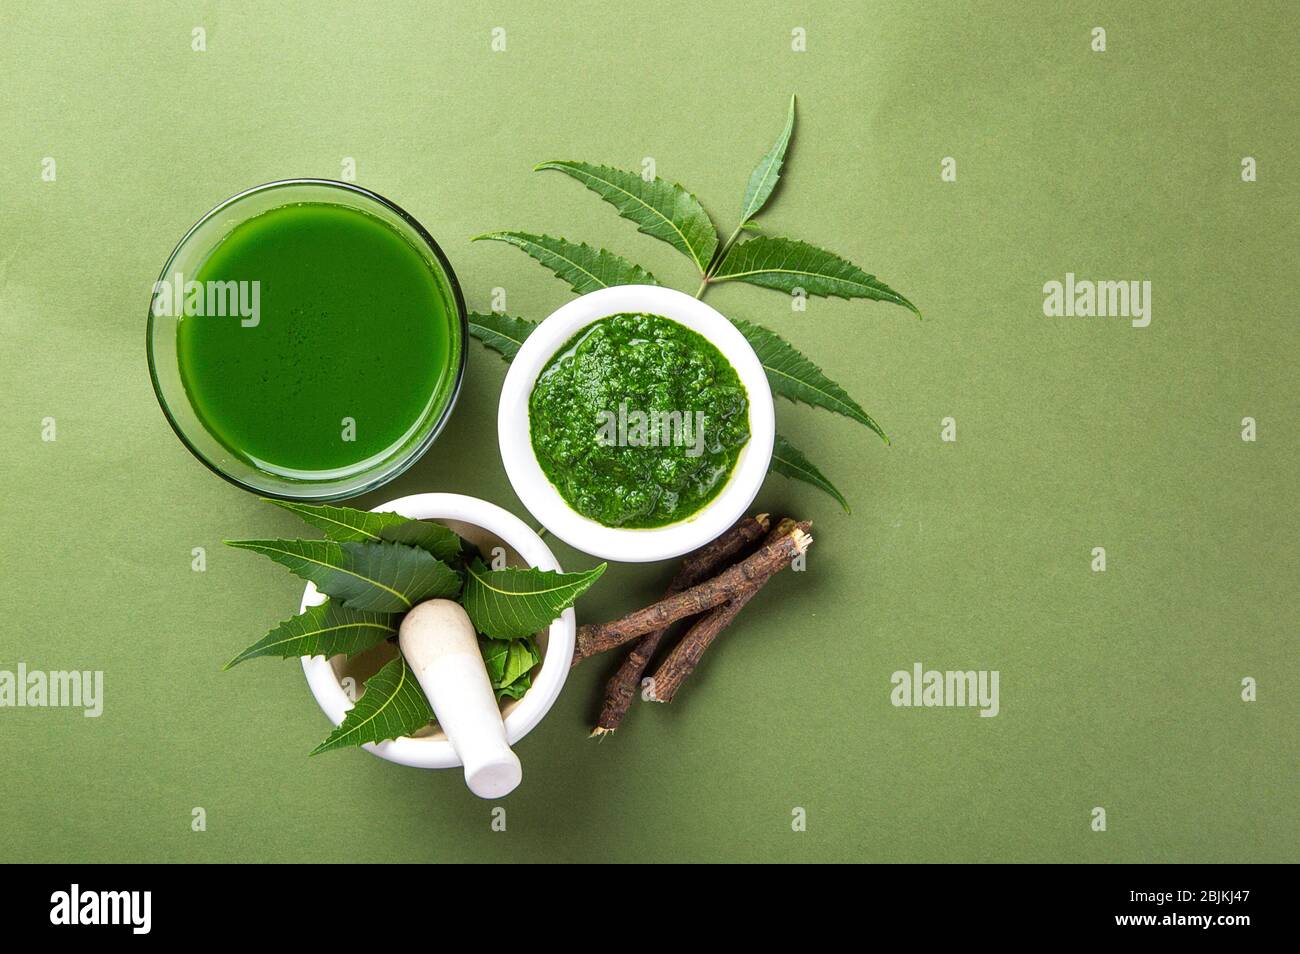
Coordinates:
695	568
681	662
700	564
704	596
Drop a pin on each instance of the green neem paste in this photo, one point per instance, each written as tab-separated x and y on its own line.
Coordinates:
638	421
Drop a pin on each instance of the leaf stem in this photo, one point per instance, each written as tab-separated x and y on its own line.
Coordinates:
726	246
717	258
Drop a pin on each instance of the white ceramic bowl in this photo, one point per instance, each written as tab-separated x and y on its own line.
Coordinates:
433	750
539	495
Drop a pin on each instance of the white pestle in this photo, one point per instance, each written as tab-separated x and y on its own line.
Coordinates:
440	646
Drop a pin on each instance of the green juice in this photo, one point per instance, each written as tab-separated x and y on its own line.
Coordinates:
354	349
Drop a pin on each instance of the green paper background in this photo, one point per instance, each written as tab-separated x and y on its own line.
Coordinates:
1118	689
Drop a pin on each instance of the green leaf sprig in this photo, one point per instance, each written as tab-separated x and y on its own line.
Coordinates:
671	213
393	705
505	604
384	577
374	567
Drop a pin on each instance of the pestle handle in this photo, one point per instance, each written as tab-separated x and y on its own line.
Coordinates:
439	643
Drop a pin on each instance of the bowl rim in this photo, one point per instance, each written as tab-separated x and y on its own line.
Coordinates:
540	497
532	706
444	416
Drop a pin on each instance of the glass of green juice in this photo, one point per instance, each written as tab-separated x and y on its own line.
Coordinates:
306	339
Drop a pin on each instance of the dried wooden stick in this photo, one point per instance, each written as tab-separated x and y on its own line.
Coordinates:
681	662
695	568
704	596
700	564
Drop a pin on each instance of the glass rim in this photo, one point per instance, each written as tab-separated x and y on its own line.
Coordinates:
417	451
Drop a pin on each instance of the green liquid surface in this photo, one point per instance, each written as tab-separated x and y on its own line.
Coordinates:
638	421
355	348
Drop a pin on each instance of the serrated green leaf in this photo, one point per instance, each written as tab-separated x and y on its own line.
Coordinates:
383	577
659	208
434	538
767	173
793	376
788	461
502	333
325	630
494	653
583	267
516	689
522	658
786	264
347	524
392	706
508	660
514	602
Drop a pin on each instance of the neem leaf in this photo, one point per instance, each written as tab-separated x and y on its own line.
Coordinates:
325	630
393	705
523	656
341	523
516	689
786	264
793	376
346	524
659	208
509	662
434	538
385	577
767	173
514	602
583	267
501	333
494	653
788	461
